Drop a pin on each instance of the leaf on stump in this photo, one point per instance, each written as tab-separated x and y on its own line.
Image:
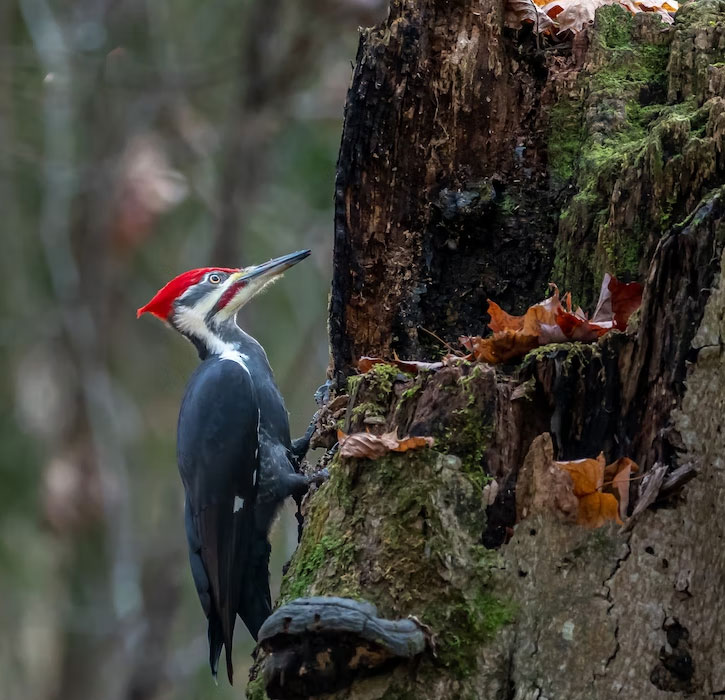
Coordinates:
500	347
520	12
602	490
369	446
587	476
596	508
550	322
579	329
560	16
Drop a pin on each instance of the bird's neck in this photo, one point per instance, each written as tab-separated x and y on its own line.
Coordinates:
217	340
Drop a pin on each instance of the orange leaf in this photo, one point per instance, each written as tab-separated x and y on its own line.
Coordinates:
513	336
543	312
587	475
596	508
501	347
501	321
550	322
617	302
367	445
412	443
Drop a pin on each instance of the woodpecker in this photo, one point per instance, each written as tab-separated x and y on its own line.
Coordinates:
235	456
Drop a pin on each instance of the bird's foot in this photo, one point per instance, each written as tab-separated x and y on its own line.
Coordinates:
300	446
303	484
319	477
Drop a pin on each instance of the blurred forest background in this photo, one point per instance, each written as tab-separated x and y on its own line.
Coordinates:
140	138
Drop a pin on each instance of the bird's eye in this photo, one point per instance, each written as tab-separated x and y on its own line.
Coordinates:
214	278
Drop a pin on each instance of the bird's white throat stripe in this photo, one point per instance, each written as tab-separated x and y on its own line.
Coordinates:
191	323
239	357
238	504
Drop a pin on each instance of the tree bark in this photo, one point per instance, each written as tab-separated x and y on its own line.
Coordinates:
475	165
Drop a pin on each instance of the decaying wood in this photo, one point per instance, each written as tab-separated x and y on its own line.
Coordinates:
423	226
473	165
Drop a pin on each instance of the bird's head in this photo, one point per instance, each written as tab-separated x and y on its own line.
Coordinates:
201	303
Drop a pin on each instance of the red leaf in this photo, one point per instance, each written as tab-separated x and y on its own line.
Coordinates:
579	329
626	299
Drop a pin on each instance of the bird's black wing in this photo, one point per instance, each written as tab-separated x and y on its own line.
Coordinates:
218	455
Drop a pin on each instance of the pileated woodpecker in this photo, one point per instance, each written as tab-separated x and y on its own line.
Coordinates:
234	451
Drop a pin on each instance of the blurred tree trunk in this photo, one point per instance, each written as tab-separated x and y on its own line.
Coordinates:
475	165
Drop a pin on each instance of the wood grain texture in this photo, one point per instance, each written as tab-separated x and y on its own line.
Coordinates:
432	214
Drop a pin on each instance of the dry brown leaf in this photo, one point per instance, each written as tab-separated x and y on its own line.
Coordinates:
369	446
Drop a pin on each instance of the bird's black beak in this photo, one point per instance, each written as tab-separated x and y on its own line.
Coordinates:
249	281
273	267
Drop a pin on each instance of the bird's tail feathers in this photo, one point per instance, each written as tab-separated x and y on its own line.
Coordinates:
216	642
223	553
255	604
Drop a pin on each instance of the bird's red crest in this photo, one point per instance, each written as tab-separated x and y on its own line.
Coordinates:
163	301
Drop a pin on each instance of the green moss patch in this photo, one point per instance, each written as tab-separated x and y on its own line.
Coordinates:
565	138
580	353
256	690
604	138
466	625
416	551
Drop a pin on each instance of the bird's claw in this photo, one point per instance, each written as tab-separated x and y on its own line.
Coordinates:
319	477
300	446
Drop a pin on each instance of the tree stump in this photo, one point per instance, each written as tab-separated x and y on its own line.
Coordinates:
474	164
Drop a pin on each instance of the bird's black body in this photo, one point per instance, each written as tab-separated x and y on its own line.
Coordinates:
234	454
